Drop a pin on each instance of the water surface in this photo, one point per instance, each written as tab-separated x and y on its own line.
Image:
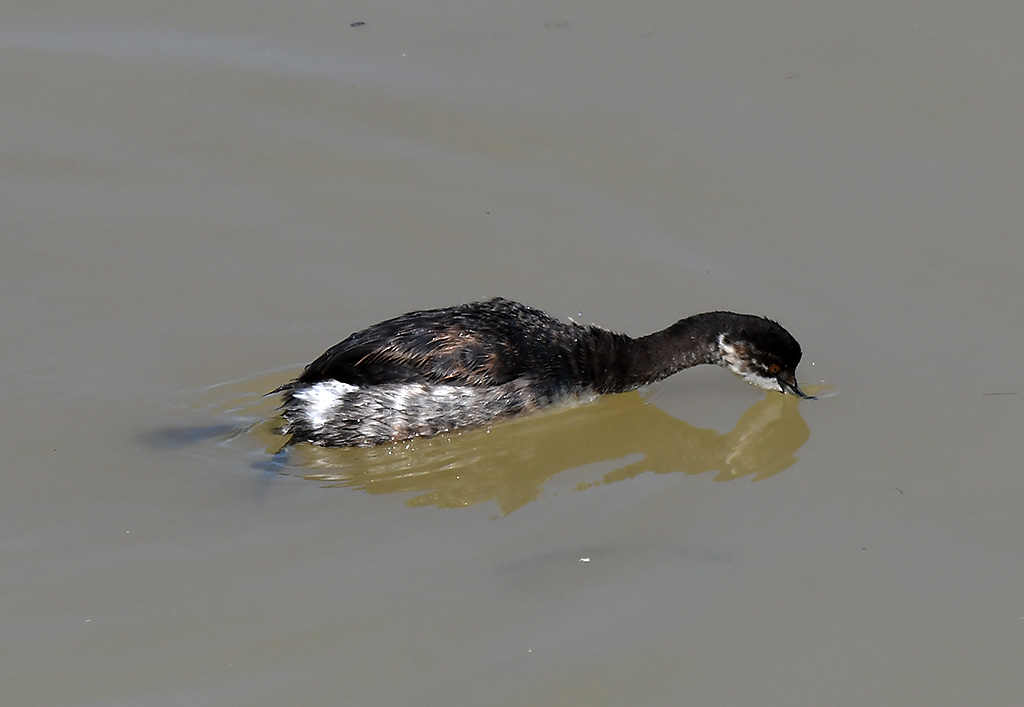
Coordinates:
200	198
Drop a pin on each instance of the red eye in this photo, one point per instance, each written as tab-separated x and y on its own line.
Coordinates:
774	369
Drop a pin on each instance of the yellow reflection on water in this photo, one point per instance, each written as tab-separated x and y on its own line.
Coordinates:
510	463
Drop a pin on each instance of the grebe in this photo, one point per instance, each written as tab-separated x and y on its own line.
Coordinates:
435	370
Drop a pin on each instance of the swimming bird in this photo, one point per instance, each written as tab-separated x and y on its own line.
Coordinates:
436	370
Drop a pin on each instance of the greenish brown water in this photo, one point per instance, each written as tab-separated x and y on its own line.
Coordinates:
199	198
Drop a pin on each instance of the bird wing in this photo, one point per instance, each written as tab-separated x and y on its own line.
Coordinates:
415	351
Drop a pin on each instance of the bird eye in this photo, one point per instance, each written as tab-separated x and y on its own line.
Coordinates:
774	369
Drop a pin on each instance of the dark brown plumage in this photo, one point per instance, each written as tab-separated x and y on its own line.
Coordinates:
434	370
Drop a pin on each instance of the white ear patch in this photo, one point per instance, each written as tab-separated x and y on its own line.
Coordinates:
762	381
737	359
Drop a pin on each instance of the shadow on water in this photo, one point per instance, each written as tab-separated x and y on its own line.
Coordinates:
511	462
178	437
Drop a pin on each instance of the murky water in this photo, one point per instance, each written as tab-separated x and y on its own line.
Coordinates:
200	198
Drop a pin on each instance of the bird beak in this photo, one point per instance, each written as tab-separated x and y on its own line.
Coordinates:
787	382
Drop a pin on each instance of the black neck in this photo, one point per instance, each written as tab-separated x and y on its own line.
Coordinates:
630	363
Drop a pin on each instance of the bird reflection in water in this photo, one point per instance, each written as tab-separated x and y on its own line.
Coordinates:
510	463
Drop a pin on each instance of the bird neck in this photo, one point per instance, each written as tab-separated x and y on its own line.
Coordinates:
634	362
